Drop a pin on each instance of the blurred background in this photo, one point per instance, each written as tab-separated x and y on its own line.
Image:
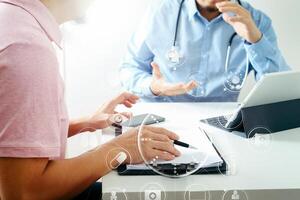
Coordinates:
94	49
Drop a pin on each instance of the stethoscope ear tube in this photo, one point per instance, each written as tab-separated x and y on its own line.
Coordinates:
177	23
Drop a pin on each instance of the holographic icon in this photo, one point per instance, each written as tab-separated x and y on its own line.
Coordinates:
113	196
152	195
235	195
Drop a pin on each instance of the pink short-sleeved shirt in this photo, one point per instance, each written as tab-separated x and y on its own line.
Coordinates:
33	116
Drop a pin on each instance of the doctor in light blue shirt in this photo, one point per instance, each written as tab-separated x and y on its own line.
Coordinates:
198	72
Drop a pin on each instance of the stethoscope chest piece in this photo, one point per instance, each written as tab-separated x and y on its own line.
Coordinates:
174	55
234	82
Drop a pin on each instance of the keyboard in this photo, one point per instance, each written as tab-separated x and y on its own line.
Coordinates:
218	122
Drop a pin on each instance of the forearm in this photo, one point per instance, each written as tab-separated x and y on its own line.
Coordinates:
62	179
78	126
265	57
65	179
86	124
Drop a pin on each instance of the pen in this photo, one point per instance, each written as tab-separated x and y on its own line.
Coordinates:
183	144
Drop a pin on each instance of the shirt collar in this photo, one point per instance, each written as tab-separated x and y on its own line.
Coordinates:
192	8
42	15
193	11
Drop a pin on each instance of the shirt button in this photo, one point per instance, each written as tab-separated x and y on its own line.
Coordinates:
204	56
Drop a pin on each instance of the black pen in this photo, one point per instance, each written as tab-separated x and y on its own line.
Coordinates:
183	144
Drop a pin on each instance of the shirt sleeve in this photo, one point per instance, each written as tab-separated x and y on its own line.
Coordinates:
29	95
265	56
136	70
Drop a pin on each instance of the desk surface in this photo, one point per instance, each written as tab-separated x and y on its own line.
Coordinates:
274	166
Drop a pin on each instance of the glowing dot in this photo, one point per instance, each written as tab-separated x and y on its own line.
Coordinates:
235	80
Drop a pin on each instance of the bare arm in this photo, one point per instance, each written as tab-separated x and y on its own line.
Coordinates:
40	178
44	179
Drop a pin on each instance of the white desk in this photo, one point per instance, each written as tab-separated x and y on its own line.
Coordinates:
270	172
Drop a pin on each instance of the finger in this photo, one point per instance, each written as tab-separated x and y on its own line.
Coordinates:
126	96
164	146
226	18
162	131
235	10
158	130
132	101
131	97
190	86
175	89
227	4
128	104
182	88
223	5
128	115
162	155
146	135
231	20
156	70
235	19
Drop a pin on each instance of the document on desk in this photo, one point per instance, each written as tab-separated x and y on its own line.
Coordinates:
205	154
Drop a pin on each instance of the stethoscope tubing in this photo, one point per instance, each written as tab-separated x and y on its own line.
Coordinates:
230	42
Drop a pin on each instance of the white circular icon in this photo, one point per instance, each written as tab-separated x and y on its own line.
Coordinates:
235	195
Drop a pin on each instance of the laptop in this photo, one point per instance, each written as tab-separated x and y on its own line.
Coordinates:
271	88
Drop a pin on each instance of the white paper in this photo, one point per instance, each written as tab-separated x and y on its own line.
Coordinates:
205	155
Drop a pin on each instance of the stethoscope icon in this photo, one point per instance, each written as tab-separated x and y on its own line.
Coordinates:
174	55
234	81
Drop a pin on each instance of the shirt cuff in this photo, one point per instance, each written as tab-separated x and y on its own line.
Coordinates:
262	48
145	88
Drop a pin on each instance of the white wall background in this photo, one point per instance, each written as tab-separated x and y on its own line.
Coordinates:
95	49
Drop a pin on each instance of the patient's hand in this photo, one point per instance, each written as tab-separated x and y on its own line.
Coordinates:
107	115
156	143
160	87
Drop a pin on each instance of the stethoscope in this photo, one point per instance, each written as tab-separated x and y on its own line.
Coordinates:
234	81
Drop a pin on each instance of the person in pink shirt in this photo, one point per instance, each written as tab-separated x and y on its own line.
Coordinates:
34	124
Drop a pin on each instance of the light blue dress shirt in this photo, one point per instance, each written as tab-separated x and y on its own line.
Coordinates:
203	47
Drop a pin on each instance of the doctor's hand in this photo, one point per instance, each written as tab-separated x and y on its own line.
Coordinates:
242	21
160	87
155	143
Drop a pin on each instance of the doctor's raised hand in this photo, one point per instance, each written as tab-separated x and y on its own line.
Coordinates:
160	87
241	20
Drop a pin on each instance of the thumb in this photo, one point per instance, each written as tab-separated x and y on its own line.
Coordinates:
156	70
